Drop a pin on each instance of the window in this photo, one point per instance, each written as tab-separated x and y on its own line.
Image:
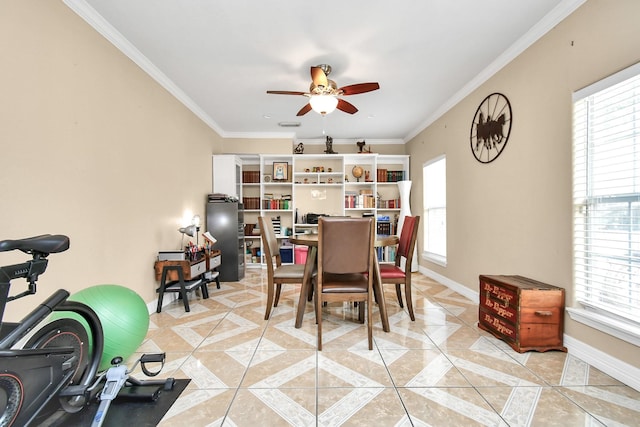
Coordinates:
606	199
434	179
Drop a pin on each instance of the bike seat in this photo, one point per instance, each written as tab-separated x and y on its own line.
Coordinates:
46	243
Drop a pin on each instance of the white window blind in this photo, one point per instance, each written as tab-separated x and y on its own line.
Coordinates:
606	196
434	180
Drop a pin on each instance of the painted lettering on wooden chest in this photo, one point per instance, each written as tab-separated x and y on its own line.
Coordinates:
498	325
498	307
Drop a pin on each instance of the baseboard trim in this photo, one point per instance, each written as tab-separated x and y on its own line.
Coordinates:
455	286
616	368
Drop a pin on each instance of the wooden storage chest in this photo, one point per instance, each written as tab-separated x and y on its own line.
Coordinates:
525	313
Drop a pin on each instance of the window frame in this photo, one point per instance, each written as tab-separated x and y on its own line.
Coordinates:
436	256
601	316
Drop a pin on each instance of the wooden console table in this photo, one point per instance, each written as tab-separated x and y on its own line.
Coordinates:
183	276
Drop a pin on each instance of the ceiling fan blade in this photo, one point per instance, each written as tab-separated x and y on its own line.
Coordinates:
319	77
304	110
346	107
285	92
359	88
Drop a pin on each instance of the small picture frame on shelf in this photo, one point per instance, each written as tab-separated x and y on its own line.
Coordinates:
280	171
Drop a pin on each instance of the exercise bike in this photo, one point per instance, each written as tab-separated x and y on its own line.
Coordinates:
60	361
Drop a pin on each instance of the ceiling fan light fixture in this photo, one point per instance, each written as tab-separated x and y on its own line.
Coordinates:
323	104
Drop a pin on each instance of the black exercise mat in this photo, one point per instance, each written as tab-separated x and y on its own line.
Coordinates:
124	411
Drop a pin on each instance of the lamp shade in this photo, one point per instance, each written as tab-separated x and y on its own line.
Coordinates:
189	231
323	104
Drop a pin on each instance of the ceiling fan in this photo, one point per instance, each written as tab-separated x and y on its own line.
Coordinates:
323	93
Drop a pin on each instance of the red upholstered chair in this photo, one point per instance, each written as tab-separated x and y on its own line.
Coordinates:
277	274
393	273
345	266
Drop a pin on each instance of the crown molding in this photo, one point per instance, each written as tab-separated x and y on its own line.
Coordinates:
350	141
98	23
550	20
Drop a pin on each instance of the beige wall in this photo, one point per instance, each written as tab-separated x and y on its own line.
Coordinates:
93	148
513	216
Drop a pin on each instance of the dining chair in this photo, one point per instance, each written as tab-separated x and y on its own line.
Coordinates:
277	273
393	273
345	266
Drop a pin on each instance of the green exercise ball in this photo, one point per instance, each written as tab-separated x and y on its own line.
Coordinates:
124	317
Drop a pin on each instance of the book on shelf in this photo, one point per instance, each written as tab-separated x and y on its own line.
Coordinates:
250	177
384	175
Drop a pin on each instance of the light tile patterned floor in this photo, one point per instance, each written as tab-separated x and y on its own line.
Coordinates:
440	370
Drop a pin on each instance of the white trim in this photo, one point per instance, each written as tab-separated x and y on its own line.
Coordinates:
606	324
95	20
553	18
441	260
616	368
454	286
607	82
98	23
351	141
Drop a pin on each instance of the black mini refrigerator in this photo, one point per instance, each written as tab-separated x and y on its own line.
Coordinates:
225	222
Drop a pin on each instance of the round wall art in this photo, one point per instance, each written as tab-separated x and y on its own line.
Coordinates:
490	128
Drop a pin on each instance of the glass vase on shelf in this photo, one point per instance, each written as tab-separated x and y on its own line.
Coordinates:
404	188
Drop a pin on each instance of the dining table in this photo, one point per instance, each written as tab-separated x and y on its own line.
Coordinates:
311	241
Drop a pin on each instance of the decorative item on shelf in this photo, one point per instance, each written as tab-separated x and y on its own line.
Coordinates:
404	187
367	176
280	171
299	149
276	224
357	172
329	144
362	148
267	178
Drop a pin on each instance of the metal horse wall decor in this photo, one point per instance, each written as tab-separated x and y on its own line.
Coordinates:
491	127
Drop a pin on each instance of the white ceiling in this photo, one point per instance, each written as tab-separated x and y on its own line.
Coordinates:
220	57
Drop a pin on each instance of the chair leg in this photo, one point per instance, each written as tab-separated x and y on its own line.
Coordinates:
407	292
319	320
399	295
370	323
269	301
278	289
310	294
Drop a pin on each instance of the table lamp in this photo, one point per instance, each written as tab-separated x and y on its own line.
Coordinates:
193	229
